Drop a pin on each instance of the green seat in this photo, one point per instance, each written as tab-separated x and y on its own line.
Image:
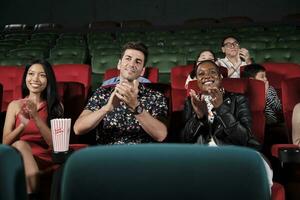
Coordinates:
253	45
282	28
44	47
99	44
6	47
164	62
183	42
70	52
29	53
99	36
104	51
290	37
12	41
289	44
165	171
102	62
12	181
277	55
66	60
97	80
76	36
260	38
42	41
12	61
162	49
47	35
22	36
70	42
250	29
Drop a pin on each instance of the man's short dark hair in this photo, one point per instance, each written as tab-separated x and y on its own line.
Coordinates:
251	70
139	46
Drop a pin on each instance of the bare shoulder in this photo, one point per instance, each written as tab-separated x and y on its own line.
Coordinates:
297	107
14	106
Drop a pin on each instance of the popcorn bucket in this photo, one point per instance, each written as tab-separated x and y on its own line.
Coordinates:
60	129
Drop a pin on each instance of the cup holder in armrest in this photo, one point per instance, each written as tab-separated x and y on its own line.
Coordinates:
289	155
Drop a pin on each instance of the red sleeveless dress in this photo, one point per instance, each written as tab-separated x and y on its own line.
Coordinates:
31	134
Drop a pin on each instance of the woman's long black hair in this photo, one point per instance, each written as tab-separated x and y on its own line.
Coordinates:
54	107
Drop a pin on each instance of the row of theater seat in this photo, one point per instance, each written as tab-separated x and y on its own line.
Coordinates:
162	166
279	75
251	88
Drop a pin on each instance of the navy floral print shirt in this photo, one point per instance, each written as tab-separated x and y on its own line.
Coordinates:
120	126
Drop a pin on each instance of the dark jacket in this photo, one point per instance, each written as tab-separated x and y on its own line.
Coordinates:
231	126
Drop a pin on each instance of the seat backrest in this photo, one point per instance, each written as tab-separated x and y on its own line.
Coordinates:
277	72
179	75
164	171
12	181
80	73
102	62
11	80
254	90
1	95
165	62
277	55
290	97
151	73
72	95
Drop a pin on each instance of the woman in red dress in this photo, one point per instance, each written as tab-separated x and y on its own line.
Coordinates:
27	120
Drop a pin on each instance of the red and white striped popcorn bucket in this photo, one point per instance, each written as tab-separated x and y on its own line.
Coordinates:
60	129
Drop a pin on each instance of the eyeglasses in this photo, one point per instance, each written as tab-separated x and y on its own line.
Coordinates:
231	44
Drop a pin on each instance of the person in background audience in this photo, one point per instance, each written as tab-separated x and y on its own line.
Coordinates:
203	55
235	56
127	113
27	120
296	125
218	117
273	110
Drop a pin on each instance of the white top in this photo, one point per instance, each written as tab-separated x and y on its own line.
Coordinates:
225	62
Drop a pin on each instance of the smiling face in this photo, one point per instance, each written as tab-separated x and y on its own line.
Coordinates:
36	79
208	76
131	65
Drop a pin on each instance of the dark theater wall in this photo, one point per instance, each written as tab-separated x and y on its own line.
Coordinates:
161	12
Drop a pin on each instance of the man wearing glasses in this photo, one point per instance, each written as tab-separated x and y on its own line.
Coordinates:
235	57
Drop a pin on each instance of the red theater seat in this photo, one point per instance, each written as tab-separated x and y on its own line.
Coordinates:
73	99
179	75
277	72
11	80
278	192
80	73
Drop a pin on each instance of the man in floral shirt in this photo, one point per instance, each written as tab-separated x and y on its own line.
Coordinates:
128	112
